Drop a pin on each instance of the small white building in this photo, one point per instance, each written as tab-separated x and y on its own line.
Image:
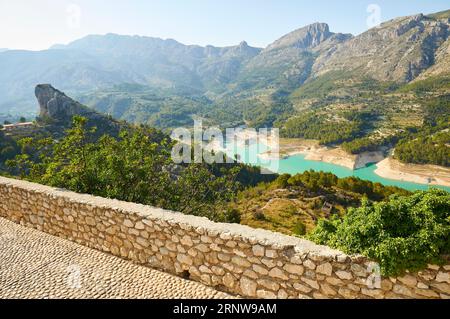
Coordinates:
18	127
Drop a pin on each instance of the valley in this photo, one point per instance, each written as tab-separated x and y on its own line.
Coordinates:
339	89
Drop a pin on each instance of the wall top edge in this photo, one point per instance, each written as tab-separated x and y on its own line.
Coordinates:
255	236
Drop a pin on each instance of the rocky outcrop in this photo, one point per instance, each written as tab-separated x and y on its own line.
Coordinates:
304	38
58	106
60	109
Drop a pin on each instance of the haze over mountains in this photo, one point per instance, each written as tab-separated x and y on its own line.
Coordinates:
148	79
96	62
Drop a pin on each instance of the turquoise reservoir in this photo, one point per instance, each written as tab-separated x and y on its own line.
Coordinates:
298	164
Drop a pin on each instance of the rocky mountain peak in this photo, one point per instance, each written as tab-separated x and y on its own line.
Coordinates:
304	38
399	50
242	50
243	44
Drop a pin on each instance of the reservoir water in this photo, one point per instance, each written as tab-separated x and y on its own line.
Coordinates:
298	164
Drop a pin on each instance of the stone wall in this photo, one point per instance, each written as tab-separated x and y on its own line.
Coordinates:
233	258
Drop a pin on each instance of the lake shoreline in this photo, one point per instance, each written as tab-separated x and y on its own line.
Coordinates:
420	174
387	167
372	166
313	151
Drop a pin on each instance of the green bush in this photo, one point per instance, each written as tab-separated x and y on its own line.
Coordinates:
232	216
134	167
299	229
283	180
405	233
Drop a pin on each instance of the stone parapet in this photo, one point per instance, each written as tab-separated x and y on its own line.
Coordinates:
234	258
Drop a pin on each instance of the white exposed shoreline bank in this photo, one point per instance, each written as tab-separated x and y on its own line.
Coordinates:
420	174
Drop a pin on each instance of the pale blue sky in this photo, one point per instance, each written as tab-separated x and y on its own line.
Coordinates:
38	24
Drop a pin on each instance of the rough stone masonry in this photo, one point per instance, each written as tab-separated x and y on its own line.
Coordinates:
237	259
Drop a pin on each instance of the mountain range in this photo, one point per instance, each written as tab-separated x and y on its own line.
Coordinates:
308	71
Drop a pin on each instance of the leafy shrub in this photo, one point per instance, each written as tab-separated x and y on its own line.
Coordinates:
135	167
8	148
232	216
299	229
405	233
282	180
259	215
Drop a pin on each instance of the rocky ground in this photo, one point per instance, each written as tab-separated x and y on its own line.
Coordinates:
422	174
334	155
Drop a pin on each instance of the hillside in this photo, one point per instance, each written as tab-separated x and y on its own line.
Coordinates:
398	50
56	112
386	85
369	90
287	63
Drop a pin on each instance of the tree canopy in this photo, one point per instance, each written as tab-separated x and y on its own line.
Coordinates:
404	233
134	167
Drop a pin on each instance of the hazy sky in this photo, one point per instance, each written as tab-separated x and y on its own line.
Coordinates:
38	24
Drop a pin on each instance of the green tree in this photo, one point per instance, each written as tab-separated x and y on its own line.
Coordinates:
134	167
405	233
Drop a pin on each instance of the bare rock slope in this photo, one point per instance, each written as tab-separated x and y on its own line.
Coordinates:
60	110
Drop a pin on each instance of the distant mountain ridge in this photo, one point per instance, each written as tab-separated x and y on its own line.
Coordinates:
166	63
98	62
398	50
150	79
303	38
287	63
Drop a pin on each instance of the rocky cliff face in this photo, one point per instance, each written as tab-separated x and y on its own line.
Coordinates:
58	106
441	66
60	109
399	50
304	38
